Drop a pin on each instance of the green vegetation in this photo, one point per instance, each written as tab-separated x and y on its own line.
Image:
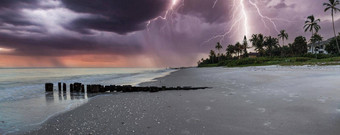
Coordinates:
289	61
332	6
270	52
283	35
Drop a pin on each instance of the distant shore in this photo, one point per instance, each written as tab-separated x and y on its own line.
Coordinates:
271	100
266	61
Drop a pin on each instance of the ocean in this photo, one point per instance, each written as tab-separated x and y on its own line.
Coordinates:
24	105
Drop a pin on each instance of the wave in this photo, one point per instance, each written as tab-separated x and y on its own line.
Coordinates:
24	94
24	89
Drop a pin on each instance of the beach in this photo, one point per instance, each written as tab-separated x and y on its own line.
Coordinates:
269	100
25	105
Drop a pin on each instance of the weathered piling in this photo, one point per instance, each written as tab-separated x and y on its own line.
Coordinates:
82	88
64	87
126	88
154	89
59	86
111	88
77	87
48	87
88	88
101	88
187	88
71	87
92	89
96	88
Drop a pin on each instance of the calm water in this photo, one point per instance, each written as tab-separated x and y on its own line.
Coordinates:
24	103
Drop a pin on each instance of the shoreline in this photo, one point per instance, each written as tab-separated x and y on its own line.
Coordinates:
74	104
242	101
53	116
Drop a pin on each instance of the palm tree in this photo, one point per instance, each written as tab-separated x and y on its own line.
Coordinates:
218	47
245	47
283	35
311	24
212	56
238	48
230	50
270	43
332	6
257	42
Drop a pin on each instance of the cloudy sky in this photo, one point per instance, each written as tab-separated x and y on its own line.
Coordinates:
141	33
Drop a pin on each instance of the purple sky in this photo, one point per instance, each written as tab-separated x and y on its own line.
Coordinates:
141	33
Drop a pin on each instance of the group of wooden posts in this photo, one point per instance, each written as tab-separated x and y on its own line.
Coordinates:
96	88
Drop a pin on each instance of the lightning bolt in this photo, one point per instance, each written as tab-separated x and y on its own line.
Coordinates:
171	10
214	3
235	21
264	17
239	9
239	17
245	18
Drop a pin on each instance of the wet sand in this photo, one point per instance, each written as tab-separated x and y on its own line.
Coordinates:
243	101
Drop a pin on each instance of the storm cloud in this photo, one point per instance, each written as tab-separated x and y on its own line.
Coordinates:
119	16
144	32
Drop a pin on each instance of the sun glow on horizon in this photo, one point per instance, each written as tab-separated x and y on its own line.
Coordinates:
6	50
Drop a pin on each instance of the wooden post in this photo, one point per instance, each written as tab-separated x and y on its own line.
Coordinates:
88	89
59	86
82	88
153	89
48	87
71	87
112	88
77	87
187	88
64	87
101	88
96	88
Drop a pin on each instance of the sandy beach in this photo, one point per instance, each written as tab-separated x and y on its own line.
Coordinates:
269	100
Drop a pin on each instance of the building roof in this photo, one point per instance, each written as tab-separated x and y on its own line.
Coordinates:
322	42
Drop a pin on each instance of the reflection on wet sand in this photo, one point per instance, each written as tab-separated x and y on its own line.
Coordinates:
54	96
49	97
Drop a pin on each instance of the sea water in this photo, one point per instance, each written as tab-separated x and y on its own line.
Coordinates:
25	105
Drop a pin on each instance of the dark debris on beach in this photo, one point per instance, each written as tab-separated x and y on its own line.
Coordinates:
97	88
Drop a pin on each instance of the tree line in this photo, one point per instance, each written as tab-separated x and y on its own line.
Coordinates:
268	46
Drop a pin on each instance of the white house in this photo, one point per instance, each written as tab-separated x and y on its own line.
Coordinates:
319	47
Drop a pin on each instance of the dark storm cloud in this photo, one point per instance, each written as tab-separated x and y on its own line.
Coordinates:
119	16
206	10
17	3
63	45
37	27
11	17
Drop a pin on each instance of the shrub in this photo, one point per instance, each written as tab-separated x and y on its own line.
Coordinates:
323	56
318	56
302	59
